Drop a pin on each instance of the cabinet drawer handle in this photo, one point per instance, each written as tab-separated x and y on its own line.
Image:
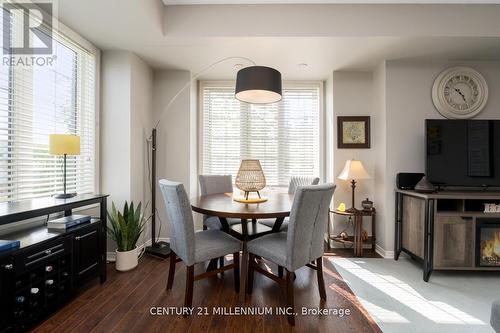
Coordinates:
8	267
86	235
47	252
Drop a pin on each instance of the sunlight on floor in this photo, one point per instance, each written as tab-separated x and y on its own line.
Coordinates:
381	314
436	311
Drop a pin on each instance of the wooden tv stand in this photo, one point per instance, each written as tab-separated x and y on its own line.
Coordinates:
439	229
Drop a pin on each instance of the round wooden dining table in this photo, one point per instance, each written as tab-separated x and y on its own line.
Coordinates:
223	206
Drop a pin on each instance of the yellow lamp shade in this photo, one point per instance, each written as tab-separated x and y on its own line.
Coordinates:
61	144
341	207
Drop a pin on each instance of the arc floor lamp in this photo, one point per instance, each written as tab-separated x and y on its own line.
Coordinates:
254	85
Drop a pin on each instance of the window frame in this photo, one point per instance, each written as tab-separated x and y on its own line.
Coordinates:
61	29
292	84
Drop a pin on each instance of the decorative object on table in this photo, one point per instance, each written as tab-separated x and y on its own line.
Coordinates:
408	180
364	235
6	245
353	132
353	170
250	178
64	144
367	204
491	208
425	186
126	228
341	207
67	222
459	93
344	235
258	85
255	84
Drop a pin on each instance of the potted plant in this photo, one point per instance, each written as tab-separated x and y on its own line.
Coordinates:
126	228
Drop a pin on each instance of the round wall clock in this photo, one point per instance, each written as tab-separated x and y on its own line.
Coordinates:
460	93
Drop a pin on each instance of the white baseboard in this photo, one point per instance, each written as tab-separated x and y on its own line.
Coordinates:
111	256
384	253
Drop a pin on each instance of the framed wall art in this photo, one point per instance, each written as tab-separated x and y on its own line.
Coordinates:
353	132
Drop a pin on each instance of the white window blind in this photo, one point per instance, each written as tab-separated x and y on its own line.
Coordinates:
36	101
284	136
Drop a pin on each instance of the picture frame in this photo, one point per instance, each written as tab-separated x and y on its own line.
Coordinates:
353	132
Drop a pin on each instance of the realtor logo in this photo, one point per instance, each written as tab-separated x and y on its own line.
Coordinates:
36	26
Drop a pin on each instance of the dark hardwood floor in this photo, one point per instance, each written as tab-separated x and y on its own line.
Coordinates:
123	303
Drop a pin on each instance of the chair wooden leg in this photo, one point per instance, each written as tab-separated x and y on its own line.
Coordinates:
221	262
251	262
236	261
289	297
280	271
321	281
188	296
171	271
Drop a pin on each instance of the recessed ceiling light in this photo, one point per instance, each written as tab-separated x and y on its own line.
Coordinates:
302	65
238	66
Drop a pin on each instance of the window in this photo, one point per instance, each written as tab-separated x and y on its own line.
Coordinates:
284	136
36	101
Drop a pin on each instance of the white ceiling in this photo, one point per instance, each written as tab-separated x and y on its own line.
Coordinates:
137	26
264	2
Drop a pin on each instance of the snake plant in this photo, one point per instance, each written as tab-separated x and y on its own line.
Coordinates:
126	226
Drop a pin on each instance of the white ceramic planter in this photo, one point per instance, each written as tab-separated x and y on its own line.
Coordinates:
125	261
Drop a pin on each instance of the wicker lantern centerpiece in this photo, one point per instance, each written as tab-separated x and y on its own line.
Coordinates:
250	178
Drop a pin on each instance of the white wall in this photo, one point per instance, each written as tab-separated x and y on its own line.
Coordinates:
126	112
134	99
352	96
397	96
408	104
328	130
115	126
176	134
379	138
140	128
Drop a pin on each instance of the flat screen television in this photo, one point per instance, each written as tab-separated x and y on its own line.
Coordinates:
463	153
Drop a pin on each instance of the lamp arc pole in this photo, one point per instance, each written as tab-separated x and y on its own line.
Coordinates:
157	248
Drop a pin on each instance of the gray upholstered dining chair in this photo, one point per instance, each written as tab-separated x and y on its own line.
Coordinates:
302	244
194	247
295	181
215	184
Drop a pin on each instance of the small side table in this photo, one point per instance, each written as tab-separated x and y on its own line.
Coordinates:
357	239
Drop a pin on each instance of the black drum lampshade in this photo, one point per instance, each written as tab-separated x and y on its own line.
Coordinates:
258	85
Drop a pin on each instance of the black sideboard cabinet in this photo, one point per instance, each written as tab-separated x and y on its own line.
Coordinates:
50	266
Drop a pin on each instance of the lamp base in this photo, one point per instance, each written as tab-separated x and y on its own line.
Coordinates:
65	195
159	249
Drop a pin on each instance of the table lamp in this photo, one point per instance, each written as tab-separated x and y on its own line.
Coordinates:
250	178
64	144
353	170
